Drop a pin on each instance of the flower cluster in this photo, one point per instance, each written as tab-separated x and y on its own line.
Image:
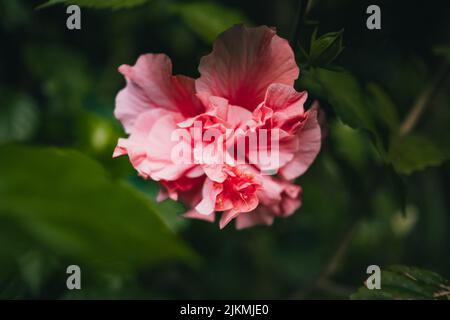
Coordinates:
245	87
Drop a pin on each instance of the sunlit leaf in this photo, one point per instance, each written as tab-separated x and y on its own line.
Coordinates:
207	19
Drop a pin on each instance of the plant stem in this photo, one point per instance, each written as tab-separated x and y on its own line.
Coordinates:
295	34
339	254
422	101
334	261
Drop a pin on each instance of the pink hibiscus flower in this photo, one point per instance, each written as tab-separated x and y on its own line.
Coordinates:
245	88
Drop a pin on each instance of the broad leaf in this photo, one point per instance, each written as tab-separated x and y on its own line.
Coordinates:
413	152
383	107
64	204
345	95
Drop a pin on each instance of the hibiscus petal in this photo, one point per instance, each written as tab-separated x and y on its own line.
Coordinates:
244	62
240	208
150	146
270	192
260	216
195	215
238	116
287	105
121	148
150	84
163	194
227	217
215	172
309	146
289	206
209	193
280	97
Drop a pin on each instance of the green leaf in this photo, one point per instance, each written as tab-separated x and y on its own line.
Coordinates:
64	204
95	135
325	49
414	152
345	95
383	107
404	282
351	144
207	19
371	110
101	4
172	209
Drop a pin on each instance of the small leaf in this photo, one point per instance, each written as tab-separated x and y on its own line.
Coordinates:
351	144
413	152
383	107
325	49
404	282
424	276
345	95
206	19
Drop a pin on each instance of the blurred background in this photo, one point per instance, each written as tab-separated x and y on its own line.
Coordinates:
377	193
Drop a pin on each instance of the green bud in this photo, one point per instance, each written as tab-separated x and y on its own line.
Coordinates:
325	49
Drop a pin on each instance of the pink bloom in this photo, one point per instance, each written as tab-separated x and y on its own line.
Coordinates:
243	63
235	194
245	87
300	136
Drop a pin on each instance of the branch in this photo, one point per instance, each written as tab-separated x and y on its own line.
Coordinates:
422	101
334	261
299	17
339	254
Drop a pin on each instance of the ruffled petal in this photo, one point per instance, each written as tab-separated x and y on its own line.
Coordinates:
309	136
244	62
150	84
261	216
209	193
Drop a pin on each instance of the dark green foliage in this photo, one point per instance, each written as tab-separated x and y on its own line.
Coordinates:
377	190
69	206
403	282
